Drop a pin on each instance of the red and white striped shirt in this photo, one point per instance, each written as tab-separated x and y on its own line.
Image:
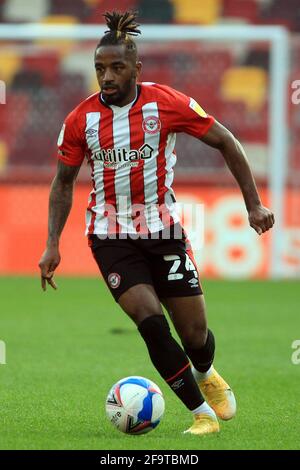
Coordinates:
131	153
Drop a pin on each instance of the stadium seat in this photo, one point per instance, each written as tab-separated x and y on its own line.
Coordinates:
157	74
25	148
1	11
20	10
278	8
297	21
90	11
3	155
101	6
193	11
247	125
10	63
245	9
71	91
156	68
295	156
200	69
93	85
294	107
205	94
295	60
80	62
209	65
232	115
248	84
256	128
194	154
78	8
27	80
63	45
278	21
156	11
47	63
280	12
59	19
37	151
258	56
14	118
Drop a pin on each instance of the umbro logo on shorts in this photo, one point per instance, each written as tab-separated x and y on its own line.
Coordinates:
114	280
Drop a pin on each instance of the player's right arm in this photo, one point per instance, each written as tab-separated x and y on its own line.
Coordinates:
70	157
60	203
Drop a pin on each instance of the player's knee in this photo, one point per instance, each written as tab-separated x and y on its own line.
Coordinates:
139	313
194	336
144	312
140	304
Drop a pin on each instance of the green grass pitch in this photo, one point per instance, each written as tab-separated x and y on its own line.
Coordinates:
65	349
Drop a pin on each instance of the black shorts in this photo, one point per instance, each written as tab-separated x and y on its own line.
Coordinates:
167	264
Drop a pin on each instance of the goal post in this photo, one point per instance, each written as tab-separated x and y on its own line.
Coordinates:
278	39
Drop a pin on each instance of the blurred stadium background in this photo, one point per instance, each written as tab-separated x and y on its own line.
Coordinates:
45	79
65	349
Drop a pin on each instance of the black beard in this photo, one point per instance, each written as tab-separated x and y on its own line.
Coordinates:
119	96
115	99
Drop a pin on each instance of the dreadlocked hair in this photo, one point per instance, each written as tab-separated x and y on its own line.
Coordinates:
121	27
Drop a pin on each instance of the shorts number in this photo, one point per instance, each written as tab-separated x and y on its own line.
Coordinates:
189	266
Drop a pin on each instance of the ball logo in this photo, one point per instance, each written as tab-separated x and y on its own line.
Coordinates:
151	125
135	405
114	280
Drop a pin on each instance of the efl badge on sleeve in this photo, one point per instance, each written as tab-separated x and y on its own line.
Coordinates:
197	108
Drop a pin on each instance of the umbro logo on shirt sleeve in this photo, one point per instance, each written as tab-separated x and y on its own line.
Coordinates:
91	131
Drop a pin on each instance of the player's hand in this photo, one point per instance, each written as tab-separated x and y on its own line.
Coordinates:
48	263
261	219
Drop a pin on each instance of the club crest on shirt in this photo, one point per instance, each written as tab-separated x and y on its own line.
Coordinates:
151	125
114	280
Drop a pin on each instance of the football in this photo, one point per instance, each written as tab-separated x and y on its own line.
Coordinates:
135	405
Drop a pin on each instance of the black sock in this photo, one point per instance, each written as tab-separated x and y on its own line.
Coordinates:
170	360
203	358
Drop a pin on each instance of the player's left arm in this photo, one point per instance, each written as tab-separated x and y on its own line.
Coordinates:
260	218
